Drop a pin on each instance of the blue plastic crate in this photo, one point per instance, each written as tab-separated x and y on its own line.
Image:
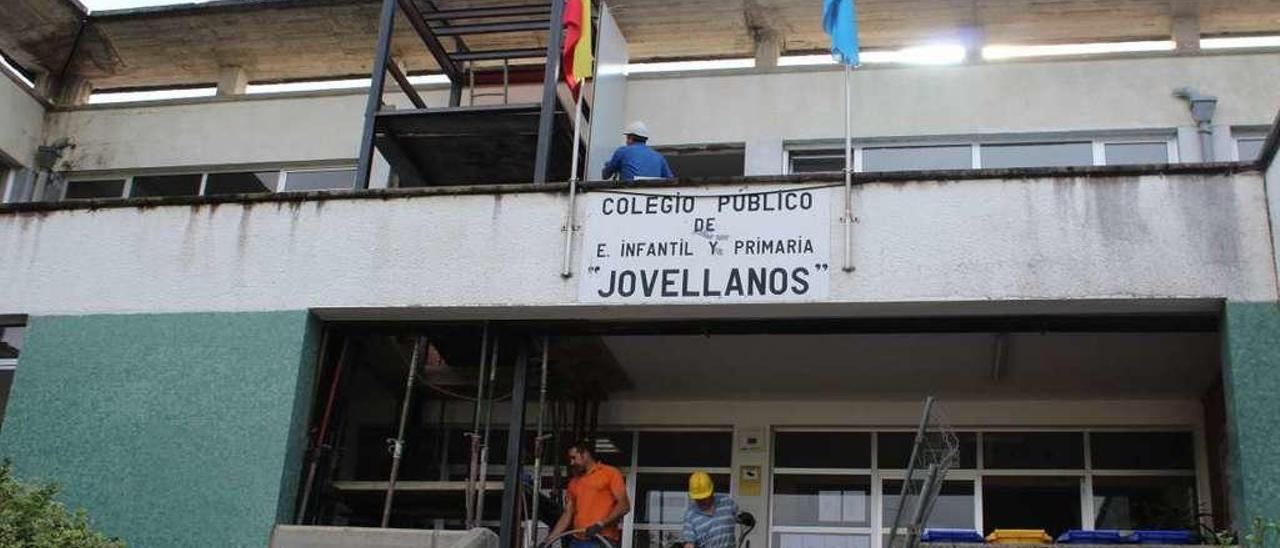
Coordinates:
1163	537
952	536
1077	536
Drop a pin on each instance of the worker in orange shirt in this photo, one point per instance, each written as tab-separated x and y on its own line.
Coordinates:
595	502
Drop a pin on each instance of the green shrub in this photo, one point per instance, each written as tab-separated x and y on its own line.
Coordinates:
31	518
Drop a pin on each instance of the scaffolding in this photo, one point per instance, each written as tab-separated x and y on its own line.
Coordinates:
935	452
457	144
567	397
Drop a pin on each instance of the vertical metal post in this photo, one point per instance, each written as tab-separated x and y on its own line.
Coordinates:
386	24
566	269
848	172
488	427
911	466
550	81
397	444
515	442
319	448
532	533
473	470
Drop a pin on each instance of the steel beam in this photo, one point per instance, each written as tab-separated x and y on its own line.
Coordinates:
382	54
405	86
491	55
495	11
550	79
490	28
429	38
400	160
515	441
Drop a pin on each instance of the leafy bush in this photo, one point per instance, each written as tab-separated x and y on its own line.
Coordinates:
31	518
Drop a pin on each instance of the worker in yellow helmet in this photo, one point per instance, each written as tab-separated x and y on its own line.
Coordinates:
711	520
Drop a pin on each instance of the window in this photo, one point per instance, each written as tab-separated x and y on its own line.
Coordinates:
10	350
820	540
334	179
822	450
6	177
684	449
1249	149
894	449
241	183
1136	153
664	460
916	158
661	499
1141	450
1144	502
1015	155
166	185
1051	503
1033	450
822	500
952	509
706	161
817	161
93	189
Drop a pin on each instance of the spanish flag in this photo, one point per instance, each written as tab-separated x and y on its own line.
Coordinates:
576	58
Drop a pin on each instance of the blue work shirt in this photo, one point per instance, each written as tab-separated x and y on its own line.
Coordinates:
714	530
637	160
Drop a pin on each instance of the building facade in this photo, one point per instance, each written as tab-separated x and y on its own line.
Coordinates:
1082	275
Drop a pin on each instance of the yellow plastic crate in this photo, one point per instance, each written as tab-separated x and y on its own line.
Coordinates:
1019	536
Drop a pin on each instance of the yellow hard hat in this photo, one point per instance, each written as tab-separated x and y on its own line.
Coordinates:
701	486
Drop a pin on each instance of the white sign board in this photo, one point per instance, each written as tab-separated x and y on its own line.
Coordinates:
707	246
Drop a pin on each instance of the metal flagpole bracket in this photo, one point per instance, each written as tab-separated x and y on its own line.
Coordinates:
566	265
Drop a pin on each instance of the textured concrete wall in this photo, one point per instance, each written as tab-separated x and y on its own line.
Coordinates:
1251	378
254	129
172	430
687	108
1156	236
21	123
986	98
1272	176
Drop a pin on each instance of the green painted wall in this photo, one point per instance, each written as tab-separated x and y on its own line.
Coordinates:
172	430
1251	378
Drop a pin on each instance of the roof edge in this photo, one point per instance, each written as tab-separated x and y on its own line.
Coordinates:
834	178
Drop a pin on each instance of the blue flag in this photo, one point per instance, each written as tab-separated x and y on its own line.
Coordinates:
840	20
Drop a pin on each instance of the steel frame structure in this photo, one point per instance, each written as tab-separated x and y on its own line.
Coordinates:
430	25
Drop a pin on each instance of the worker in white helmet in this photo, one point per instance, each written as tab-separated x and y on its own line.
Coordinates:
636	160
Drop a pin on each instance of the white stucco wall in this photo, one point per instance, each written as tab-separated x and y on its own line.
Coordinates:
955	100
1118	238
738	106
21	123
1273	207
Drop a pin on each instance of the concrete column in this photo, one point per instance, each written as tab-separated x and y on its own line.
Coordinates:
1189	145
74	91
1251	381
768	49
1186	34
763	157
1224	146
232	80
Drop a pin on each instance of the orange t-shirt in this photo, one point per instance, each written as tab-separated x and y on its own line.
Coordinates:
592	495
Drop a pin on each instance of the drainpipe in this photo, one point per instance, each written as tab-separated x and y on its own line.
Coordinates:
1202	108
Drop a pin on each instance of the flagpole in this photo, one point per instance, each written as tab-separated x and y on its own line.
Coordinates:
565	266
848	172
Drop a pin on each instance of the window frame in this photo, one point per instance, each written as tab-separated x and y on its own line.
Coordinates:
124	189
283	185
878	529
1098	141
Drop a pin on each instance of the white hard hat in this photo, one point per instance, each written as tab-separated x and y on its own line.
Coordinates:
638	129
